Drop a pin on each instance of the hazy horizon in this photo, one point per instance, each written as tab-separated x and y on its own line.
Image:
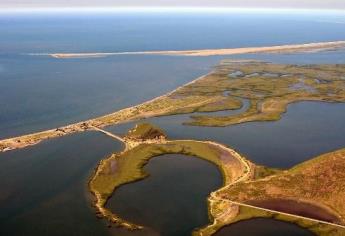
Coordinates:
294	4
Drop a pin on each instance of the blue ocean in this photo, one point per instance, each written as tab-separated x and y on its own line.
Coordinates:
44	187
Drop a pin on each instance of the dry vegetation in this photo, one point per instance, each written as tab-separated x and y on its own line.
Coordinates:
318	184
314	189
269	87
127	166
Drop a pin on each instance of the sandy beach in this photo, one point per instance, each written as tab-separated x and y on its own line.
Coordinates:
308	47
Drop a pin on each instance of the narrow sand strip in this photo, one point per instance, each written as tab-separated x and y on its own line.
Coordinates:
309	47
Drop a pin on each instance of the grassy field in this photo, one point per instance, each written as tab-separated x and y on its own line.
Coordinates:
320	182
269	87
127	167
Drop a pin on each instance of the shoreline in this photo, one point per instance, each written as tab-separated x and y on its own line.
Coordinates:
31	139
289	48
207	93
293	185
235	169
106	179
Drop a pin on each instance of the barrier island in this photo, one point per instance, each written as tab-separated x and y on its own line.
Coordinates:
292	48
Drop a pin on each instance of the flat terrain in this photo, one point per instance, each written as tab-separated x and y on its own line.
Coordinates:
268	87
127	166
308	47
310	194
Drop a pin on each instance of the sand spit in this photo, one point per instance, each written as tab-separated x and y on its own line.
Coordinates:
293	48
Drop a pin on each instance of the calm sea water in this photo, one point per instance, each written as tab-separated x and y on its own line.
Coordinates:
37	93
138	31
40	93
305	131
44	187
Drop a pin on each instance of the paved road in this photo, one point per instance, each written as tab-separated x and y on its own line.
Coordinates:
108	133
287	214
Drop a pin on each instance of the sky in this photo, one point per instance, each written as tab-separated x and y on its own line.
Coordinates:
304	4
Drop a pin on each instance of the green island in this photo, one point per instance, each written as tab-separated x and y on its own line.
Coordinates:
309	194
146	142
269	88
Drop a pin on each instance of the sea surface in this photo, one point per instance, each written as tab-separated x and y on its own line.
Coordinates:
49	32
44	187
39	92
307	129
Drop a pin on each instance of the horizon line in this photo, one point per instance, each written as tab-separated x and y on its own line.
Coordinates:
166	9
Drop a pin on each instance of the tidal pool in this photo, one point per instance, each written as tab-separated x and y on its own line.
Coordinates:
173	199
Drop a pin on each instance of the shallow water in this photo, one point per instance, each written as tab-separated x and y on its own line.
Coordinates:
172	200
307	129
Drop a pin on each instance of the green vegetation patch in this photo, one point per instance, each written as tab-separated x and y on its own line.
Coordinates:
127	167
269	87
145	131
319	182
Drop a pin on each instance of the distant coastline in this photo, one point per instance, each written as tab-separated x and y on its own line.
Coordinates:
292	48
